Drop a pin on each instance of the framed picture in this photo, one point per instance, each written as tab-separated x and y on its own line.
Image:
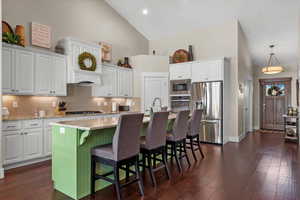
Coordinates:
40	35
106	51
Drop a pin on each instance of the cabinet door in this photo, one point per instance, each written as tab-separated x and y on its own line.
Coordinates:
180	71
24	72
12	147
7	70
125	83
109	83
59	79
207	71
43	74
33	144
47	141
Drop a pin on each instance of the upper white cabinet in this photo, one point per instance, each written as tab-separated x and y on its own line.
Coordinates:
125	83
50	75
73	48
24	72
116	82
17	74
180	71
7	70
108	87
28	71
211	70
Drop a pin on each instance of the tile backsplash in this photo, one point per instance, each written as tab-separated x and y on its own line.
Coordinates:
79	98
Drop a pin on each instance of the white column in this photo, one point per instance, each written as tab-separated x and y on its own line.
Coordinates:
1	163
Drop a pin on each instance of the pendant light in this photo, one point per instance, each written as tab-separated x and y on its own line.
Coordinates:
272	67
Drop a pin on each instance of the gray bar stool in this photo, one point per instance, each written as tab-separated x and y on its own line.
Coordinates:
123	151
154	144
193	133
177	138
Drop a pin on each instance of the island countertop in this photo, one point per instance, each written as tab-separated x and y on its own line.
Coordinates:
97	124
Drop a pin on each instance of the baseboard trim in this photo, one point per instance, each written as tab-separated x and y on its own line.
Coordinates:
24	163
1	172
237	139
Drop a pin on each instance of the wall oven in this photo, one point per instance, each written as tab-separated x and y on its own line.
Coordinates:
180	87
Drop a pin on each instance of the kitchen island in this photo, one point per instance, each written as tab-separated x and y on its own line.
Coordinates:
72	142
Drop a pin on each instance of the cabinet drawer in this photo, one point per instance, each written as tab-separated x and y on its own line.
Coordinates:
32	124
11	126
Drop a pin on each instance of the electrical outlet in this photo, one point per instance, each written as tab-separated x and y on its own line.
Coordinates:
14	104
99	103
133	103
54	104
105	103
62	130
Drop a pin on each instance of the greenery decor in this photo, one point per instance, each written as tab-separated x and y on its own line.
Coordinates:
82	61
11	38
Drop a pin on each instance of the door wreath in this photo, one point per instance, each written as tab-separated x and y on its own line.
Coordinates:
87	61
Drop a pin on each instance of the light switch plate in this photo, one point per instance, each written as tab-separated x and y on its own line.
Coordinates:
14	104
62	130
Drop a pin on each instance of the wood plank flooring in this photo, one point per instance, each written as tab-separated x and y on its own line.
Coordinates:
261	167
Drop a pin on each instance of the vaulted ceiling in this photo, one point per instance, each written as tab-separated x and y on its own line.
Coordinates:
263	21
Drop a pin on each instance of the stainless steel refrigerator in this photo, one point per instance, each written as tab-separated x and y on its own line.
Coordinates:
208	96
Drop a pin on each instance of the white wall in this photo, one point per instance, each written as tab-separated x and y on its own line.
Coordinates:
290	71
1	161
245	76
210	42
147	63
91	20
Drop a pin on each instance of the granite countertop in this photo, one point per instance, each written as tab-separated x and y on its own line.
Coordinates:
31	117
97	124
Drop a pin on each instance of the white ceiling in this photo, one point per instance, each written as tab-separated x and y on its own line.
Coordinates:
263	21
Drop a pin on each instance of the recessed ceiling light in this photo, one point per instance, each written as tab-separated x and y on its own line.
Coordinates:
145	11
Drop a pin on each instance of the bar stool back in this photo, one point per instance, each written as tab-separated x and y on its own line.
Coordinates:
154	144
123	151
177	138
193	133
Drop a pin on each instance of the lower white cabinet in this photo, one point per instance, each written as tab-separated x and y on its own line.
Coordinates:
12	147
32	141
47	141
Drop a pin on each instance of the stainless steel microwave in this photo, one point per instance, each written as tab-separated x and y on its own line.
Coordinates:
179	87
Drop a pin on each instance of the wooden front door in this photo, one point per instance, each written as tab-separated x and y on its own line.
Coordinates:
275	97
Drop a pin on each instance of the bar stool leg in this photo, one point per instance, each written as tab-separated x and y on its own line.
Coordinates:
93	172
138	175
185	152
117	181
165	162
192	149
199	146
127	173
174	146
149	160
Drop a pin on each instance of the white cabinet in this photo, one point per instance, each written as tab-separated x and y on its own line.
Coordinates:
22	141
50	75
59	84
43	73
180	71
17	73
7	70
116	82
24	72
27	71
32	143
47	141
208	71
108	88
12	146
125	83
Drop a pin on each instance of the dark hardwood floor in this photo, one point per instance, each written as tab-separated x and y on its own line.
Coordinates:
262	167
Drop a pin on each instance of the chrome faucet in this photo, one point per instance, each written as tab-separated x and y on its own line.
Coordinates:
154	101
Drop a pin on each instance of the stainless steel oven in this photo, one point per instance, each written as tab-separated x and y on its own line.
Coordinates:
179	87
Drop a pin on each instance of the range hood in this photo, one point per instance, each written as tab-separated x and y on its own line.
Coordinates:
75	47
